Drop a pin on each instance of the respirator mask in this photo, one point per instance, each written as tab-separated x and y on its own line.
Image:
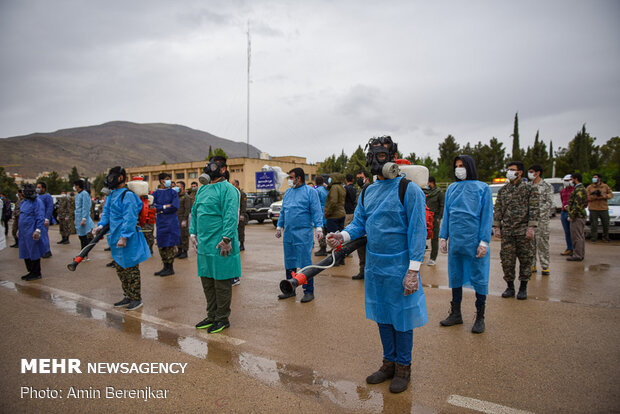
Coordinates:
114	179
212	171
29	192
384	166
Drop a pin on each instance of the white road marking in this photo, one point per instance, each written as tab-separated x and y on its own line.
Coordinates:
140	316
483	406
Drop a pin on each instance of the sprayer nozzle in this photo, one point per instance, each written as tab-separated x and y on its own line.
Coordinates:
72	266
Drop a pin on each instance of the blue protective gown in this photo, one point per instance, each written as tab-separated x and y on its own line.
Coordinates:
396	235
82	210
322	192
48	213
467	220
168	228
300	214
31	217
123	220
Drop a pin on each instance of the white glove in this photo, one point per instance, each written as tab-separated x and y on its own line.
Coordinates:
482	250
47	223
225	248
443	245
192	239
319	233
122	242
36	235
83	222
334	240
96	230
151	199
278	233
410	282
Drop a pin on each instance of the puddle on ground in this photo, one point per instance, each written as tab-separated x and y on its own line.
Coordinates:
295	378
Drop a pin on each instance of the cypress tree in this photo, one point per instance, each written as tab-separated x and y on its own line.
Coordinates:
516	148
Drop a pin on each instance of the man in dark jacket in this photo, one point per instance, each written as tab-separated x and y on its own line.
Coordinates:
334	207
350	200
185	209
434	202
363	181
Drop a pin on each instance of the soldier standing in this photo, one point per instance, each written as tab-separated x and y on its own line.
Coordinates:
65	213
15	225
545	204
243	201
577	204
515	219
185	209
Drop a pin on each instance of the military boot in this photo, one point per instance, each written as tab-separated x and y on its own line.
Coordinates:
455	317
510	290
168	270
522	295
384	373
321	252
479	324
401	378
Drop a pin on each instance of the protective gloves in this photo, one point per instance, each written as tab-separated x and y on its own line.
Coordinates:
225	248
334	240
37	234
122	242
278	233
482	250
443	245
96	230
319	233
83	222
192	239
410	282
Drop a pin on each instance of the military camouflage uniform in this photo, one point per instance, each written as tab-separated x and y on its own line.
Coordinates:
516	209
149	235
185	209
66	208
577	204
15	224
243	201
130	280
541	242
167	254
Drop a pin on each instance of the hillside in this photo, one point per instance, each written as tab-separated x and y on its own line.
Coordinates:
93	149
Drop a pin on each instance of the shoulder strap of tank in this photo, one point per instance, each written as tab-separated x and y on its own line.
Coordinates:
123	195
402	189
363	193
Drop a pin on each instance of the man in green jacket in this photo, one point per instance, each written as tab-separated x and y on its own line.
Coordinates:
577	204
334	206
213	232
434	202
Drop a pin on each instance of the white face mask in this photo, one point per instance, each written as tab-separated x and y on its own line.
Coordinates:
594	180
531	176
511	175
74	189
291	183
460	172
167	183
566	183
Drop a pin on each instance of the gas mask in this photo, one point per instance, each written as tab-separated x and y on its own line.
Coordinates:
29	192
212	171
386	167
114	179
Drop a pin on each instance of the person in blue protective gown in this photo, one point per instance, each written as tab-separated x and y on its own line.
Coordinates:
48	215
396	240
300	214
465	235
127	244
30	232
83	223
322	192
166	203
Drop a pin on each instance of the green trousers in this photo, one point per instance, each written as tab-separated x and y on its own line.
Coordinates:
219	296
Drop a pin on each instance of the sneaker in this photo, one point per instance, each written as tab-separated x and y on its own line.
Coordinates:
47	255
320	253
567	252
134	304
107	249
111	264
121	304
545	271
534	269
241	247
431	263
204	324
29	278
218	326
236	281
358	277
286	295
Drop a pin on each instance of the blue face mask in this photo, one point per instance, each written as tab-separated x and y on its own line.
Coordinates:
329	180
167	183
177	189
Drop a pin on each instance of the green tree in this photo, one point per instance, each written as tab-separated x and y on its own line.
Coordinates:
357	162
220	152
538	154
74	175
163	162
581	156
610	162
412	158
8	186
99	183
328	165
516	148
55	183
448	151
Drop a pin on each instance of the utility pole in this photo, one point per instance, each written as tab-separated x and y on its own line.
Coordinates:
248	113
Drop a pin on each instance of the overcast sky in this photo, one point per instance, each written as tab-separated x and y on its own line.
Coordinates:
326	75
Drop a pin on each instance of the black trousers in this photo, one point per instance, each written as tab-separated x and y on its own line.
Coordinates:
84	240
33	266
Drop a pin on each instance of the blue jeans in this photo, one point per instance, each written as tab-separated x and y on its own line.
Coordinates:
397	345
566	225
308	288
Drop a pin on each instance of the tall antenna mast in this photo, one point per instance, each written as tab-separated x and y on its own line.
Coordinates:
248	113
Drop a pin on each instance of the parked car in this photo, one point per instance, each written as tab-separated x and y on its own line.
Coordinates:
557	184
495	189
258	206
274	212
614	216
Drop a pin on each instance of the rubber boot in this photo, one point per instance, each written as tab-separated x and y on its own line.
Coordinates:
383	374
455	317
479	324
182	254
522	295
321	252
401	378
510	290
168	270
28	263
161	271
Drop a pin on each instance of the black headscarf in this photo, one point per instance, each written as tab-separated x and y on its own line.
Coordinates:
470	166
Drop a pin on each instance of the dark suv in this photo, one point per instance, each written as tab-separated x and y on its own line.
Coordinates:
258	206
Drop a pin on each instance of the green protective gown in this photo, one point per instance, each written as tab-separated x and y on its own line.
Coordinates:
215	214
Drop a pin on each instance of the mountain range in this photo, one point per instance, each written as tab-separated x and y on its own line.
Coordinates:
94	149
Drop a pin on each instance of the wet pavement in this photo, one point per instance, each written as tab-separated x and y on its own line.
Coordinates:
555	352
